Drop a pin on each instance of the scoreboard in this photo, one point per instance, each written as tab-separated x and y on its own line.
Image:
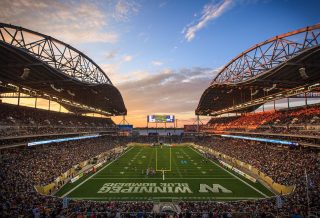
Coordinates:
160	118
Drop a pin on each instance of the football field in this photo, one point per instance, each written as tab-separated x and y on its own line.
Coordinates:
164	174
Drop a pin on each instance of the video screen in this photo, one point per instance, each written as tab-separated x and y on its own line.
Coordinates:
160	118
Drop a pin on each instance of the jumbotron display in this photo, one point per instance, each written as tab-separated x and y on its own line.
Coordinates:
160	118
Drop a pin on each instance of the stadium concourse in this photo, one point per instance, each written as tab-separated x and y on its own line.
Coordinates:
68	165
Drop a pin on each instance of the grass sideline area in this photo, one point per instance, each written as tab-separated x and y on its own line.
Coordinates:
175	173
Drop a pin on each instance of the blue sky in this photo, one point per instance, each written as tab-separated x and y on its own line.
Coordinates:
161	54
155	32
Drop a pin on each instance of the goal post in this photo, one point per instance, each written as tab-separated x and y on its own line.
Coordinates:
163	170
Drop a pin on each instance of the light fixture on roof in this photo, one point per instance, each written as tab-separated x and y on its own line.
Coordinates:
313	86
70	93
255	92
94	91
26	89
54	88
25	74
271	88
303	73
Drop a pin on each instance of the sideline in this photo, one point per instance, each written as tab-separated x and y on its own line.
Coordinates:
263	194
67	193
106	178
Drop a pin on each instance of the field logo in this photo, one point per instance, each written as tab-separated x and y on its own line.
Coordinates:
216	188
159	188
145	188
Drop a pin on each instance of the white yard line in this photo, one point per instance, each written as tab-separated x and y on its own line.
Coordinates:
263	194
178	168
107	178
65	194
150	159
157	161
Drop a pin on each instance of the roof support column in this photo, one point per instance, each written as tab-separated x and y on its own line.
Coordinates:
35	102
19	93
176	125
198	124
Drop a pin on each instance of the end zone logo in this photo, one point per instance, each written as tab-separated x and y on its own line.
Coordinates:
159	188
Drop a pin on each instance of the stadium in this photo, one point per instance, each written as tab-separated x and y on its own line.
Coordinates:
248	160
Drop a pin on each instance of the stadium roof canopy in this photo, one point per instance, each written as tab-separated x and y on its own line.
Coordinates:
42	66
283	66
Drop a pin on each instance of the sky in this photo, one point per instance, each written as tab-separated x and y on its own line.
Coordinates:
163	54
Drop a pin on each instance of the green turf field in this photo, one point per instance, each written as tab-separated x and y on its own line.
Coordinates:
181	173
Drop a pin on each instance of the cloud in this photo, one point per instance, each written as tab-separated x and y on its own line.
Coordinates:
127	58
164	92
144	36
209	12
113	72
124	9
111	54
69	21
156	63
163	4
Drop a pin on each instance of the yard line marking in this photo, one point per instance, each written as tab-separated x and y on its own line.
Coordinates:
65	194
177	167
150	158
170	153
170	197
107	178
236	176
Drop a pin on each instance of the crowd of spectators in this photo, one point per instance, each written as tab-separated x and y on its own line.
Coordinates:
48	162
243	209
18	121
216	121
244	121
293	120
287	131
23	168
304	115
284	165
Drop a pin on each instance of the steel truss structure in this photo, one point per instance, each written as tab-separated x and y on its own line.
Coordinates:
55	53
41	66
298	91
268	54
284	66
